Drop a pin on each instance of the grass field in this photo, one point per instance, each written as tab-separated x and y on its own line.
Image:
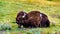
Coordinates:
10	8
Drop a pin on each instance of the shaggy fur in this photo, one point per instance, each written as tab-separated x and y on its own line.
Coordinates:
34	18
21	19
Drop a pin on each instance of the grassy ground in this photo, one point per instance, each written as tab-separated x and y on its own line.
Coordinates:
10	8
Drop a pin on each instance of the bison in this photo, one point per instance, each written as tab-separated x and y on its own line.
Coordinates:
32	19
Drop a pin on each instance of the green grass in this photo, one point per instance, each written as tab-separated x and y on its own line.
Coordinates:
10	8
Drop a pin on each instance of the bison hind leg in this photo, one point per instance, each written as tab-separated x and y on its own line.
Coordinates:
47	24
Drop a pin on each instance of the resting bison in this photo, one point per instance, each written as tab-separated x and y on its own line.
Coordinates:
34	18
21	19
44	20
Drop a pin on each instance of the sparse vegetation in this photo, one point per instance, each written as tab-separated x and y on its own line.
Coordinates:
5	27
10	8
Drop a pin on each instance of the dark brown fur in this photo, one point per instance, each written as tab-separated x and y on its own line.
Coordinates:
20	20
45	21
34	18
